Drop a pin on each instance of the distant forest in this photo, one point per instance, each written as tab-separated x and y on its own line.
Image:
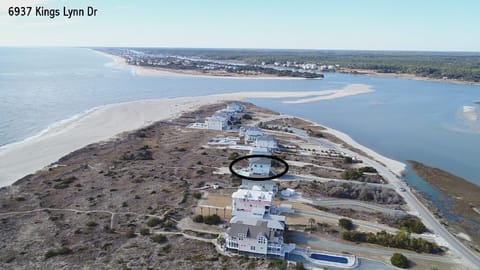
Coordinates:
454	65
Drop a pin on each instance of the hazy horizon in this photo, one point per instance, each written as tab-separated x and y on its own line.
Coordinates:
242	49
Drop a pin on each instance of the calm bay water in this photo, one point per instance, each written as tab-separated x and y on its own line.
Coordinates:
403	119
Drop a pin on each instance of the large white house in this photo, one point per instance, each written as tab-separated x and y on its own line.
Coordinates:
266	142
268	185
252	133
253	202
216	123
257	235
261	165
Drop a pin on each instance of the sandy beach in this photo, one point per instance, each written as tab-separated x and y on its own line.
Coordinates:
350	90
103	123
395	166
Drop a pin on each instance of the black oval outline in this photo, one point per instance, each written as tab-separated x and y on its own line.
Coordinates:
257	178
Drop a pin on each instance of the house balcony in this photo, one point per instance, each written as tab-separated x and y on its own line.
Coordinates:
274	248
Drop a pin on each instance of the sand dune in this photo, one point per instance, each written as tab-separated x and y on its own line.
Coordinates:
350	90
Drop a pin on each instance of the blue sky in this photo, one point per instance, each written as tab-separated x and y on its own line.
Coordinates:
299	24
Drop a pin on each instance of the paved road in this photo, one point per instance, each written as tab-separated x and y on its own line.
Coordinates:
419	209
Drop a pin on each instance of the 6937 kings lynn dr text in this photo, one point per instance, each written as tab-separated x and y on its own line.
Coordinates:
41	11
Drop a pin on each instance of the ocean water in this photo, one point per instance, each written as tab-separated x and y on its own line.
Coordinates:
403	119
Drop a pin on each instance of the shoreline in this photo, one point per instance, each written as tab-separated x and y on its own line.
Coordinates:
407	76
35	153
165	72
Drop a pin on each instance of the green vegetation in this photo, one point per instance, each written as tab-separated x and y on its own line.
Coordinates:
348	160
144	231
312	222
351	174
414	225
56	252
400	240
247	117
299	266
277	264
345	223
92	223
197	195
153	221
315	133
130	234
144	153
367	169
159	238
221	241
399	260
198	218
167	224
64	183
210	220
233	156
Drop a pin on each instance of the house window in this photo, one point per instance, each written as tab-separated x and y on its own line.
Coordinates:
252	248
241	236
262	240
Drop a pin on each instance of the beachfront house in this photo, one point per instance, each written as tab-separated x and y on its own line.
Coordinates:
216	123
236	107
252	133
260	166
267	185
266	142
252	202
257	235
225	114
